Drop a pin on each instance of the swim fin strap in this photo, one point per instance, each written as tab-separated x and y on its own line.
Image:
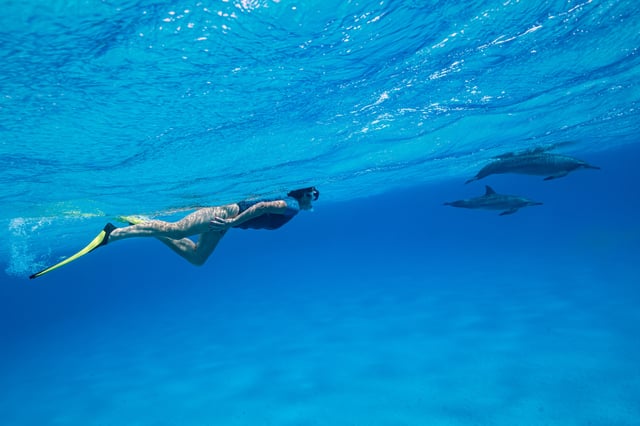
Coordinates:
100	240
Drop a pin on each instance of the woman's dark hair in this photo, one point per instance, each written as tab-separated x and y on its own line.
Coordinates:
299	193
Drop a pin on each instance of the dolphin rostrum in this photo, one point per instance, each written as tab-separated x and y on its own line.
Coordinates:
493	201
536	161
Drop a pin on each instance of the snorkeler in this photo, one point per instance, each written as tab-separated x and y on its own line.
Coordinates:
210	223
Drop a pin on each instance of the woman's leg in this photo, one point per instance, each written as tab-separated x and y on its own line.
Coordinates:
192	224
195	253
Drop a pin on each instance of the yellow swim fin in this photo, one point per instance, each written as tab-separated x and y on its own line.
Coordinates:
100	240
133	220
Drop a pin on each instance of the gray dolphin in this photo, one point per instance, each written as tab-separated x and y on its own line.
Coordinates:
493	201
536	161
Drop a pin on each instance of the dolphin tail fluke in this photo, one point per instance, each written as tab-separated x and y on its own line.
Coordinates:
589	166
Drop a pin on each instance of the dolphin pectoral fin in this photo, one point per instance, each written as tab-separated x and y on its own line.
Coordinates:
557	175
506	212
472	179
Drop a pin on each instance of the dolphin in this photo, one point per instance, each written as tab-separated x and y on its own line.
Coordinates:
536	161
493	201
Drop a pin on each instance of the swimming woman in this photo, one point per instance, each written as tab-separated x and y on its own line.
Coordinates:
210	223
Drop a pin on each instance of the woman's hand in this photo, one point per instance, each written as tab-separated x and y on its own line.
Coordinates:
220	224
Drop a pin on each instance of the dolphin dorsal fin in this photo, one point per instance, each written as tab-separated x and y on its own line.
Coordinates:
489	190
505	155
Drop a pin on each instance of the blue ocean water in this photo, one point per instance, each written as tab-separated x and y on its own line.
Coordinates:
380	307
